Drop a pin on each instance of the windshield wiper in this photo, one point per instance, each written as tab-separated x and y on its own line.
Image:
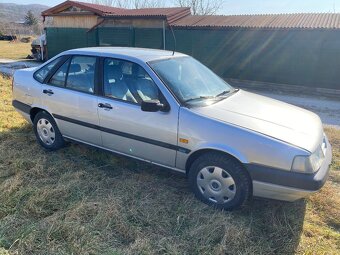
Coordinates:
227	92
198	98
223	93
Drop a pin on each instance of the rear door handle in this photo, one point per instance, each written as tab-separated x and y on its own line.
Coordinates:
48	92
105	106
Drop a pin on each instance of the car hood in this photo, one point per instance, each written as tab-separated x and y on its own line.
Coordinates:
270	117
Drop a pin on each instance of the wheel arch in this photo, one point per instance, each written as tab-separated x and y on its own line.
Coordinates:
51	138
196	154
34	111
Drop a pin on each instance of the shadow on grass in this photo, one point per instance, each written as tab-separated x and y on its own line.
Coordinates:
81	200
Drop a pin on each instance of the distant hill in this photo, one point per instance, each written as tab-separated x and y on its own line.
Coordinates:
10	12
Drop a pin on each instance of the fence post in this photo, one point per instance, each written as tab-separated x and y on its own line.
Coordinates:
133	37
97	36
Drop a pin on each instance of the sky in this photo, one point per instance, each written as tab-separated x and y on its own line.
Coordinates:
233	7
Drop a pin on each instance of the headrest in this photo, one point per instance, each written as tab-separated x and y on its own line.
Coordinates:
114	72
74	68
127	68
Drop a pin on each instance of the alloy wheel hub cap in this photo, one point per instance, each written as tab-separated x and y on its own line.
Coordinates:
46	131
216	184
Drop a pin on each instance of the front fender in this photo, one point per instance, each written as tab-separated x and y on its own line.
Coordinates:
222	148
248	146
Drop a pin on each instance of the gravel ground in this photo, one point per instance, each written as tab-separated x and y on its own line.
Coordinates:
328	109
8	66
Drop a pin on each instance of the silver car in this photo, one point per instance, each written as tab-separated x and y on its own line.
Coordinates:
170	110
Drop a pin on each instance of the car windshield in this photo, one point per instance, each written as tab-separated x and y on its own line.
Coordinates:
191	81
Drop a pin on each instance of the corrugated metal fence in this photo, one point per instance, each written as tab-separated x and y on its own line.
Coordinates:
299	57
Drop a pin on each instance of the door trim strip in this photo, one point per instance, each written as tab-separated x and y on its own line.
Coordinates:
123	134
26	108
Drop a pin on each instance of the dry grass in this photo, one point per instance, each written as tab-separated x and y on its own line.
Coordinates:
14	50
83	201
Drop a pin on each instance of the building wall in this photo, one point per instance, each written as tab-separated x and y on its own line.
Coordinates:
72	21
299	57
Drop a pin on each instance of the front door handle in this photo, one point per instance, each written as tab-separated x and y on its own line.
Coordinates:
48	92
105	106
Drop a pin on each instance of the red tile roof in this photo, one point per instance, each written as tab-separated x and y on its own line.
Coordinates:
171	14
300	20
99	7
96	8
181	17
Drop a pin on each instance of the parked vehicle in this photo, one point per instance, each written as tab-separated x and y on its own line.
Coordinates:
39	48
8	37
170	110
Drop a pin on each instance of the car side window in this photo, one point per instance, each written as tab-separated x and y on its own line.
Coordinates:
59	77
81	74
128	81
42	73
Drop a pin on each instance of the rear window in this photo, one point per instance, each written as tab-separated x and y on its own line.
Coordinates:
42	73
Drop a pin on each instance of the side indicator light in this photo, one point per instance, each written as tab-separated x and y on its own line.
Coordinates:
182	140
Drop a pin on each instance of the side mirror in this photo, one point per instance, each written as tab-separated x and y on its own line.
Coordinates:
152	106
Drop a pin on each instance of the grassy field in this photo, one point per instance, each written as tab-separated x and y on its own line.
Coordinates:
14	50
82	201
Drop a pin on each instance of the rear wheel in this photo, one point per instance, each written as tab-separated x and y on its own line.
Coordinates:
47	132
220	181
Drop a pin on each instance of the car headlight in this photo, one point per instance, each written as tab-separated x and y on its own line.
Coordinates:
309	164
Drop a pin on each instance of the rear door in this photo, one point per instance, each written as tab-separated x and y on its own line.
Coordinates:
125	127
69	95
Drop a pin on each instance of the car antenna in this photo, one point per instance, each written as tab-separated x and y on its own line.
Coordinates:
175	41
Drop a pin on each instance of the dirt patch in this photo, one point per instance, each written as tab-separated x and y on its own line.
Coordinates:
327	109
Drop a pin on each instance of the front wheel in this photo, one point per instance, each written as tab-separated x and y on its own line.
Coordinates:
220	181
47	132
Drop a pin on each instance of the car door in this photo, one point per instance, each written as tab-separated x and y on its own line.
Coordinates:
127	129
69	95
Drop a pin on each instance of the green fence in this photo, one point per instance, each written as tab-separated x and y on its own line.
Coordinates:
300	57
61	39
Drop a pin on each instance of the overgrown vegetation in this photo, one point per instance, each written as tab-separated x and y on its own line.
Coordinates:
82	201
14	50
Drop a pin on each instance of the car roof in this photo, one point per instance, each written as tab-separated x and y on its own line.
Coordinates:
126	52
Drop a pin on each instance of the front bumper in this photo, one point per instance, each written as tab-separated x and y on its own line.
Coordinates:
286	185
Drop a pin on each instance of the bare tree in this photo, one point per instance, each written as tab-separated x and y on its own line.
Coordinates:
135	4
115	3
201	7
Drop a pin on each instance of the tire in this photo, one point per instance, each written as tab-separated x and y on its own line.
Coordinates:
47	132
219	181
